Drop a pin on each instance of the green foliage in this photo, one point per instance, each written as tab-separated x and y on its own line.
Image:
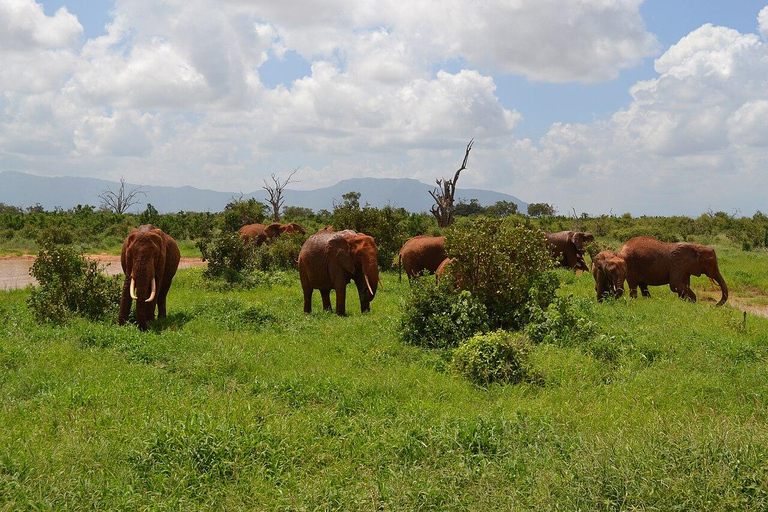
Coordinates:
150	215
70	285
565	322
541	210
498	261
473	207
497	356
228	257
239	212
437	315
279	253
501	209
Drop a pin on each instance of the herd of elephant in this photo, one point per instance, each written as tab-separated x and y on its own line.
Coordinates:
330	259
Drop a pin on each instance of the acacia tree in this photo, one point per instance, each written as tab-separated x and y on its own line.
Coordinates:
443	209
121	200
276	193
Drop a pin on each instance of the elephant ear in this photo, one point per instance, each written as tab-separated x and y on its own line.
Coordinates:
578	240
340	252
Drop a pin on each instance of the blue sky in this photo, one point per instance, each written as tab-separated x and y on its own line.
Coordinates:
221	94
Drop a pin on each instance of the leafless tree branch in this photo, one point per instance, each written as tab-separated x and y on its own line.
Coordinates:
443	194
276	193
122	200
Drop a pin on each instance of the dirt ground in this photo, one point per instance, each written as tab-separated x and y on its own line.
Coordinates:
14	270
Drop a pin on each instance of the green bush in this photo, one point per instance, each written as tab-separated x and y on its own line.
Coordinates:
280	253
438	315
228	257
70	285
494	357
498	261
565	322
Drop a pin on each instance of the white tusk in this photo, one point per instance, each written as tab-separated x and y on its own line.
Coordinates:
133	290
369	285
152	296
381	283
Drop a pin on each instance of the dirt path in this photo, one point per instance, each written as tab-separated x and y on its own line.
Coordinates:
14	270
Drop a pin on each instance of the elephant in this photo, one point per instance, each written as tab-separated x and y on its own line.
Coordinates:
442	268
610	272
421	253
329	260
149	259
260	233
651	262
567	247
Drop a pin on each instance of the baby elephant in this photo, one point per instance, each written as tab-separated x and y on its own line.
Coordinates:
610	272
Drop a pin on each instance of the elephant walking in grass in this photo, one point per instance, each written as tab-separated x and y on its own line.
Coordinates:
329	260
260	233
651	262
567	247
149	259
421	253
610	272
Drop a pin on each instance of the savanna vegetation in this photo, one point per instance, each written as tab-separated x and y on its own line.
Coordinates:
237	400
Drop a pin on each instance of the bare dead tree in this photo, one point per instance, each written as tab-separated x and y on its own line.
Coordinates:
443	208
120	201
276	193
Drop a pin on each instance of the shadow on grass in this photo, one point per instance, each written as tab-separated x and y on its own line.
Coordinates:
173	322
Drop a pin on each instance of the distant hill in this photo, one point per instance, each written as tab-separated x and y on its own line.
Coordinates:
19	189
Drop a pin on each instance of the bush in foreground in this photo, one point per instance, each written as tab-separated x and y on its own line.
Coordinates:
499	262
70	285
437	315
498	356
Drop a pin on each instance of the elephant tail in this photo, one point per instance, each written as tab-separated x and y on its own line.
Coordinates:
399	268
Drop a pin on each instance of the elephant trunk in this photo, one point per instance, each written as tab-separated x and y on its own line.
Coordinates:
721	282
144	288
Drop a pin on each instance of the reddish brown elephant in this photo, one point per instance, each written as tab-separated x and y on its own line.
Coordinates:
149	259
610	272
329	260
260	233
567	247
442	268
421	253
651	262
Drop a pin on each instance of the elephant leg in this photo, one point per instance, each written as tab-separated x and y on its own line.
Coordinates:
308	299
125	302
326	296
341	301
644	290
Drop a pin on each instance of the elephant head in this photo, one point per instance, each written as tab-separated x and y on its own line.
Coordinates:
696	259
357	254
580	239
271	231
292	228
143	258
610	272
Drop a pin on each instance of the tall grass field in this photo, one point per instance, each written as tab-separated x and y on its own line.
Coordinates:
240	401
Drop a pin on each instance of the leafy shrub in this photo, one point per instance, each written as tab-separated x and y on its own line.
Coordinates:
54	236
565	322
239	212
498	261
494	357
228	257
440	316
70	286
279	253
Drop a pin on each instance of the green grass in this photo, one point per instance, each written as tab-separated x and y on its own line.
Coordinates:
240	401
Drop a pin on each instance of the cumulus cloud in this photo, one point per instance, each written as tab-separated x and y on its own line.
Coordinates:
172	94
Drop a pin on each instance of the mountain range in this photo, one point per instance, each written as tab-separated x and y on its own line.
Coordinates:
24	190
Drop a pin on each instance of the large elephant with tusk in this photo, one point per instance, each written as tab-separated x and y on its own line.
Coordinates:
329	260
150	259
